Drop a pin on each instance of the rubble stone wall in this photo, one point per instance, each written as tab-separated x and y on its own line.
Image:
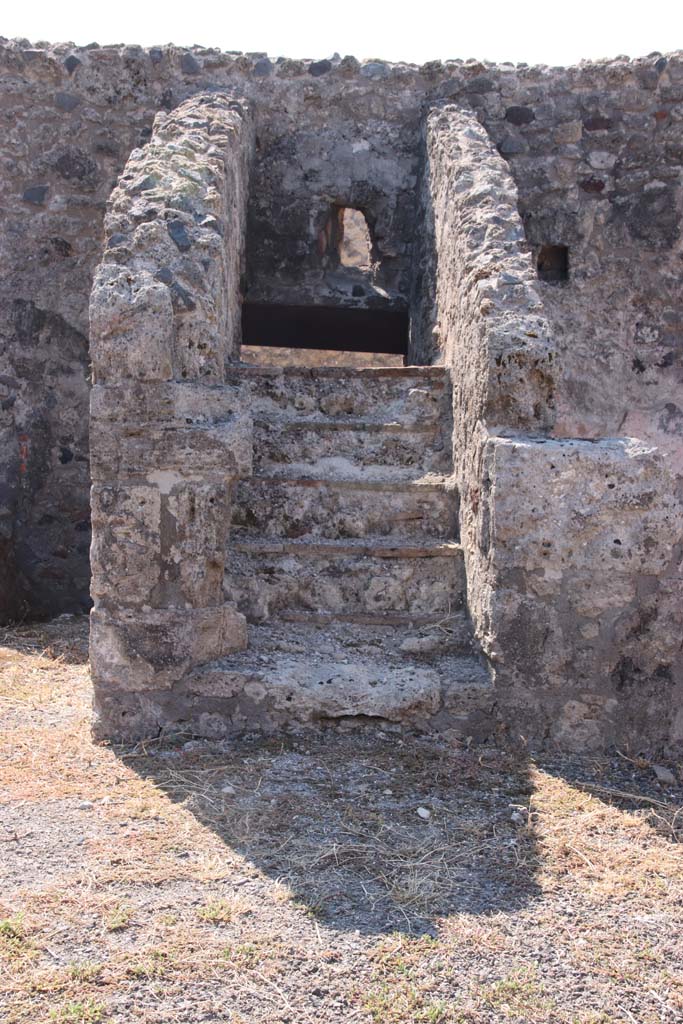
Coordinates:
595	152
573	547
169	437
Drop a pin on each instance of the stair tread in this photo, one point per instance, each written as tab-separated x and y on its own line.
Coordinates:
435	374
320	424
457	670
362	480
373	642
380	547
361	618
347	683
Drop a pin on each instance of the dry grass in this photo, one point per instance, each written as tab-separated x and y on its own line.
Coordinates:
295	882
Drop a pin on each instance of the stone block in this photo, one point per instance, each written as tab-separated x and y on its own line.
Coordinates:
125	550
167	456
608	508
167	403
578	543
194	535
131	326
145	649
568	133
160	544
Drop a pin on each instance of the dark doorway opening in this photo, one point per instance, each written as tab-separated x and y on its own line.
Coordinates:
335	328
553	263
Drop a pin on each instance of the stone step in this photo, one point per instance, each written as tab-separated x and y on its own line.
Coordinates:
298	507
349	578
459	628
431	374
301	674
335	447
410	395
392	549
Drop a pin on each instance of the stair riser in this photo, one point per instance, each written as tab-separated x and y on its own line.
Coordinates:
271	508
292	692
383	400
424	450
265	585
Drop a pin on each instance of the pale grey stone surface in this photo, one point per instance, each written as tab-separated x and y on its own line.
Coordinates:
293	677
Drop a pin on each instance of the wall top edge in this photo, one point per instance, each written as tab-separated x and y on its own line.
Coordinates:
194	60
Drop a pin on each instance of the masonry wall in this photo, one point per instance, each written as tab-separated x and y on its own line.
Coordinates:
169	437
573	547
597	161
595	152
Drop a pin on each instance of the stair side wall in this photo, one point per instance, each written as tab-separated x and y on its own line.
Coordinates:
168	436
572	547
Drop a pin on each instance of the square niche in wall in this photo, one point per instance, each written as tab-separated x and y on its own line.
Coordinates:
552	263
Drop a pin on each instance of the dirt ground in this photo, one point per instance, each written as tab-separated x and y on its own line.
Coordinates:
378	879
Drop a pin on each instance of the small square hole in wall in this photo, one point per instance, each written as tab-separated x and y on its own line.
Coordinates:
553	263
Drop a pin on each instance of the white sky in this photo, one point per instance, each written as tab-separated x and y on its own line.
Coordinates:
548	32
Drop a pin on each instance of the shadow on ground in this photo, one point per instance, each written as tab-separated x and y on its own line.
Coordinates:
63	640
371	832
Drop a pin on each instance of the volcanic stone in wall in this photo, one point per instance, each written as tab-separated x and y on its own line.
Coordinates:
44	507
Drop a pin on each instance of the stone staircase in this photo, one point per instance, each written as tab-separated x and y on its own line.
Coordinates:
343	551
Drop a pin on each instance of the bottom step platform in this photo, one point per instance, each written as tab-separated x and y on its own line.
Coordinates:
302	674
